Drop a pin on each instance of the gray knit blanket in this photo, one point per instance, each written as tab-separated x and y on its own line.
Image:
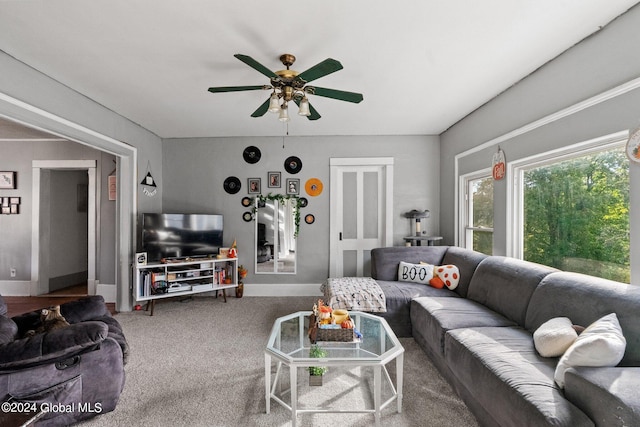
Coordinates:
354	293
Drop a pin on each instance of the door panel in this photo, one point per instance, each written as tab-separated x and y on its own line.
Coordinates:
361	213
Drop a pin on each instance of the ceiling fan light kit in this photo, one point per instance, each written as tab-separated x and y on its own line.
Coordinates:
289	85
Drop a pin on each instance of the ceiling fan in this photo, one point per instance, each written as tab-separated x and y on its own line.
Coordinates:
290	85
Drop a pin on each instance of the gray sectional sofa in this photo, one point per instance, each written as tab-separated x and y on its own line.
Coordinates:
480	336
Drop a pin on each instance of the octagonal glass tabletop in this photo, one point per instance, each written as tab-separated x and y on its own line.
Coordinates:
289	341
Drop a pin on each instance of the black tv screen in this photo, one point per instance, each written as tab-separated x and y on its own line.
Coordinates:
179	235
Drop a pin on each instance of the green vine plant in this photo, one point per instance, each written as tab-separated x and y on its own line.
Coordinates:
281	198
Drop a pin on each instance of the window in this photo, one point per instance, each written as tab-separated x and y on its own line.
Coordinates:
574	211
478	219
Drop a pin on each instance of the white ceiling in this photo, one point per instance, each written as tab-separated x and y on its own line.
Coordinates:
421	65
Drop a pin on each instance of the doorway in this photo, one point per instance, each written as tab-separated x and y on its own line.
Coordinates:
44	265
361	213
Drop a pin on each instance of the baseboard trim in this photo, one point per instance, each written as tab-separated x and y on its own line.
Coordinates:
15	288
108	292
280	290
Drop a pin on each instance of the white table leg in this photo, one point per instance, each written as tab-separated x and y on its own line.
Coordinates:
267	381
293	375
377	392
399	380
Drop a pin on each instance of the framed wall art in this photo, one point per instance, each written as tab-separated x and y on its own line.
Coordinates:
254	185
274	180
8	180
293	186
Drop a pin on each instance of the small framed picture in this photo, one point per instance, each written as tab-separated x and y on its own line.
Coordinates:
253	184
293	186
14	200
15	209
141	258
274	180
6	210
8	180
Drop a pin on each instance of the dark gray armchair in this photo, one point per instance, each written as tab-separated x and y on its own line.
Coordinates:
80	368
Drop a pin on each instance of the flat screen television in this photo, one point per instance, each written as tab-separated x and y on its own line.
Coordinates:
179	235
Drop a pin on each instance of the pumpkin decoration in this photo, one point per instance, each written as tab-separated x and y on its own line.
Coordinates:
347	324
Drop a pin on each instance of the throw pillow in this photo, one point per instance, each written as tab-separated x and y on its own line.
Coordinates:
418	273
554	337
449	274
436	282
600	344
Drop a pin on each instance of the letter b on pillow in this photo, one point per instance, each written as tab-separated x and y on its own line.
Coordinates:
449	274
417	273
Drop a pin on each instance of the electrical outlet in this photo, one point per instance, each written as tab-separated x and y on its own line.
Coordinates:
13	272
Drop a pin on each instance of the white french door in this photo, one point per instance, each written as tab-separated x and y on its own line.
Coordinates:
361	204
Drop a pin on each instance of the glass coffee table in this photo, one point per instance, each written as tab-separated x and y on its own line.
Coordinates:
289	347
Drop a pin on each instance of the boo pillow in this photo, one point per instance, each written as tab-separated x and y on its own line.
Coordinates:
600	344
554	337
417	273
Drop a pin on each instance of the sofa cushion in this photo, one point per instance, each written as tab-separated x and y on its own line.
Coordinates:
554	337
600	344
506	284
399	296
384	261
584	299
467	261
502	369
8	330
609	396
416	273
433	317
3	307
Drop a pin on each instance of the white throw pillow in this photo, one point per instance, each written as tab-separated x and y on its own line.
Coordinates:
554	337
600	344
417	273
449	274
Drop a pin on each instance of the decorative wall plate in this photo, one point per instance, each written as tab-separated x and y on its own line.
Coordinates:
247	201
633	146
232	185
293	164
247	216
251	154
313	186
309	218
303	202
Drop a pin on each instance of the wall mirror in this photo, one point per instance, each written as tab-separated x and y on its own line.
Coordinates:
277	219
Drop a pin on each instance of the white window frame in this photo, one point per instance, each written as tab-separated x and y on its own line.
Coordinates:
466	218
516	170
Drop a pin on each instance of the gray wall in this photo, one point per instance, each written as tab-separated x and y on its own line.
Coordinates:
195	169
27	85
15	245
595	65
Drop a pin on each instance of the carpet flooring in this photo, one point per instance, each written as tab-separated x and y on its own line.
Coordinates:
201	363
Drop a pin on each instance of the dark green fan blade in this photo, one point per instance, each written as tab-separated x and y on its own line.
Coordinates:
335	94
256	65
262	109
314	113
327	66
235	88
